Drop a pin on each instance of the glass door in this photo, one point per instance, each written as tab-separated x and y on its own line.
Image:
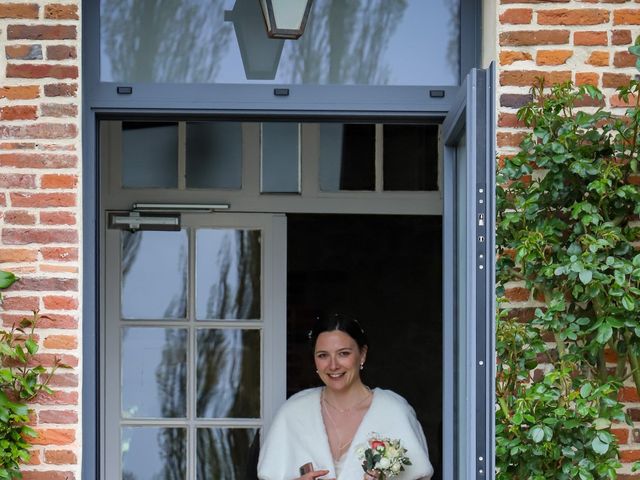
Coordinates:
469	376
188	380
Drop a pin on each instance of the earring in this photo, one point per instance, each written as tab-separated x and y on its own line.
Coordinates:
362	366
317	371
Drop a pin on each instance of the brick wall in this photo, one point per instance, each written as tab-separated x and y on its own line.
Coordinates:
583	41
40	207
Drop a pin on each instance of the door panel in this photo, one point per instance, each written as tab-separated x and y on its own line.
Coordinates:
188	381
469	281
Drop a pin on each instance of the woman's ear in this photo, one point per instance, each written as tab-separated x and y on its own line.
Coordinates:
363	354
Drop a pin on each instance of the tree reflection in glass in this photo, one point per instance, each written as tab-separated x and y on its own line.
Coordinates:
222	453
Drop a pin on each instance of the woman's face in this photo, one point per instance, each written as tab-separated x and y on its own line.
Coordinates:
338	360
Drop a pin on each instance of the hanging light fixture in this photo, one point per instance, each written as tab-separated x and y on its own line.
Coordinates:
285	18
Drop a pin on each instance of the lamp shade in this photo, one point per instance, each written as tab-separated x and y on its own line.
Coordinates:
285	18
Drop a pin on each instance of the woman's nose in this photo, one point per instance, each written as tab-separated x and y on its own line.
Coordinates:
333	363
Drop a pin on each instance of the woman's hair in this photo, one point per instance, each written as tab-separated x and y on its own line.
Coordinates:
338	321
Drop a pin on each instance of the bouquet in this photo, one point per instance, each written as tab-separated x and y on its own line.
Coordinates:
384	455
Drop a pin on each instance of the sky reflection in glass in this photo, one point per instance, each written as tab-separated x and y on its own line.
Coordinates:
347	42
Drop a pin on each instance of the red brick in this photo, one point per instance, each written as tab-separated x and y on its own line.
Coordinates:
578	16
56	398
509	57
48	475
624	59
58	11
27	92
590	38
61	342
61	52
587	78
19	112
517	294
534	1
59	110
19	217
516	16
553	57
614	80
60	457
53	436
61	90
43	200
598	59
622	434
50	359
34	458
514	100
28	70
28	304
616	101
527	78
63	322
38	160
621	37
18	10
17	180
25	236
57	218
39	130
507	139
59	181
17	255
57	253
509	120
41	32
23	52
46	284
630	16
628	394
538	37
56	302
629	455
64	380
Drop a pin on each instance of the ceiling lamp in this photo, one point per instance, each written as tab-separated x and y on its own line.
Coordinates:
285	18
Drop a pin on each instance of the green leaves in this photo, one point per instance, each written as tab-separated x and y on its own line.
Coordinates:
565	207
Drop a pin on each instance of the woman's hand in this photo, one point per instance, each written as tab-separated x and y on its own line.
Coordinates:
371	475
313	475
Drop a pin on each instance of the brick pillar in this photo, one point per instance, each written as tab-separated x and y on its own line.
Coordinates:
584	41
40	209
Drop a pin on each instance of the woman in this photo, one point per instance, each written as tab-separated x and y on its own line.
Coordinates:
325	426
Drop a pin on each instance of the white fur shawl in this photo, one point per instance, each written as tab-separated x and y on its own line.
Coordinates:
298	436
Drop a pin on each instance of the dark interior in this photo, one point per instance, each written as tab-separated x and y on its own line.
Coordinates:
387	272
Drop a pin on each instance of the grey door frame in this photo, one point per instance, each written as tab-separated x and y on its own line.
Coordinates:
472	119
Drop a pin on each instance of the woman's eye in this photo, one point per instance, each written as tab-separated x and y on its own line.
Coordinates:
345	354
321	355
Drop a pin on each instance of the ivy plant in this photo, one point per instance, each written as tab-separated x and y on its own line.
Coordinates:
20	382
567	209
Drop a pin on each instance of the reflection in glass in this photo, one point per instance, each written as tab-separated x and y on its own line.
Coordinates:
154	372
347	157
410	157
354	42
228	274
149	155
151	453
280	158
154	275
228	373
223	453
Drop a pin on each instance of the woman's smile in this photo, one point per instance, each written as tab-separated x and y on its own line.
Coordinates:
338	360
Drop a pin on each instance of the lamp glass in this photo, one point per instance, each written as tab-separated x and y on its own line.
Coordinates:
288	14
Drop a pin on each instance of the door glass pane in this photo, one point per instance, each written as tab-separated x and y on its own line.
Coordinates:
214	155
154	372
228	372
154	275
225	453
150	453
462	388
410	157
149	155
280	158
228	274
347	157
378	42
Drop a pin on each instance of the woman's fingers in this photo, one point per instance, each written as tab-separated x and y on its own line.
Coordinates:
313	474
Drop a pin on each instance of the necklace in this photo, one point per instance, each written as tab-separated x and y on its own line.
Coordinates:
351	407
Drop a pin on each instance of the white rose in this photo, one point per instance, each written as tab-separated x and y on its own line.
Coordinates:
395	468
383	463
360	451
392	452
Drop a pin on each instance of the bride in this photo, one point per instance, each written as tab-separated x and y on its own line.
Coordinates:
325	426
